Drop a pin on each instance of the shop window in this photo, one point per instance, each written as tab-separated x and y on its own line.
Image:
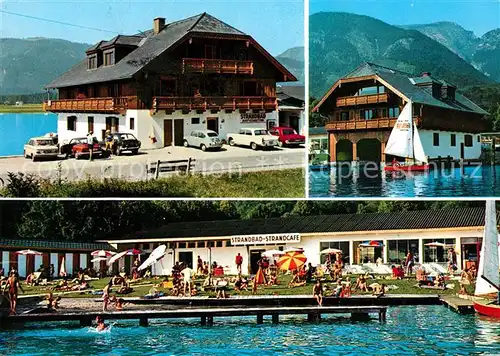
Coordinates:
201	244
468	140
72	123
435	139
398	249
437	254
453	142
211	244
192	245
218	244
132	123
182	245
340	245
195	120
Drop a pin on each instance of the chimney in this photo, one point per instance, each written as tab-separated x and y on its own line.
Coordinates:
426	74
158	24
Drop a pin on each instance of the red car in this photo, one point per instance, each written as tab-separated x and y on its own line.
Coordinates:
78	148
287	136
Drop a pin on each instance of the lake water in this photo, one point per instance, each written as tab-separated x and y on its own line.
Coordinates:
420	330
481	181
17	129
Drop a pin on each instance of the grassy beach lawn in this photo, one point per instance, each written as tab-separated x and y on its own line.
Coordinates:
287	183
405	286
21	109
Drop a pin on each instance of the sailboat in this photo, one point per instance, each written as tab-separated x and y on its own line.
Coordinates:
488	281
404	141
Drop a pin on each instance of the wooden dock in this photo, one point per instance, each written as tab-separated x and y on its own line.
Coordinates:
206	315
460	305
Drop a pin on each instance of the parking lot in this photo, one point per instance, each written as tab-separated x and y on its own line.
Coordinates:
132	167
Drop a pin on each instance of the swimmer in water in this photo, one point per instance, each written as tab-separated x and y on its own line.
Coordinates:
100	324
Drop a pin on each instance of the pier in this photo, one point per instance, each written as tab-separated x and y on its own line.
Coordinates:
206	315
460	305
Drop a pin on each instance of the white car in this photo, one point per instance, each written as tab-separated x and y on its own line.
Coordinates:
41	147
254	138
204	139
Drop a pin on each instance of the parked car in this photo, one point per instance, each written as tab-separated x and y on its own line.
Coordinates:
204	139
78	147
40	147
125	142
287	136
254	138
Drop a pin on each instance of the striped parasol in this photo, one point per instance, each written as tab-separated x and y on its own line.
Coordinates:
29	253
291	261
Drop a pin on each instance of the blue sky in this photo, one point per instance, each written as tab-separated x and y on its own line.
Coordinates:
476	15
275	24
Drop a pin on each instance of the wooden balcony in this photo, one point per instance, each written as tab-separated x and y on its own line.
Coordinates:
104	105
214	103
362	99
382	123
220	66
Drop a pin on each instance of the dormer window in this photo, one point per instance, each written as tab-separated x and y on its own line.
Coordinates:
92	61
109	57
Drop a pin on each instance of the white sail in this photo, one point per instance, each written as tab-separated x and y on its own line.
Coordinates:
418	149
400	141
488	260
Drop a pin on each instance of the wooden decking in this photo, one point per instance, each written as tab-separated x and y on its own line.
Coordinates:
460	305
206	315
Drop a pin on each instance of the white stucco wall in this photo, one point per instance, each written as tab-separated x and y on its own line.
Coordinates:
445	149
82	125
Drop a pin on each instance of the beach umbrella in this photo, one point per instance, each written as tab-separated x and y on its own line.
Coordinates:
272	253
435	244
98	259
62	271
156	255
293	249
372	243
116	257
291	261
29	253
133	252
102	253
330	251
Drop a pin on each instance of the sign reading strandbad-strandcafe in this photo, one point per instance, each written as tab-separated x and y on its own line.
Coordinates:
253	117
264	239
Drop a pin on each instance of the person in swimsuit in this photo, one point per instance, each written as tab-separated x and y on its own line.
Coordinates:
100	324
13	286
318	292
105	295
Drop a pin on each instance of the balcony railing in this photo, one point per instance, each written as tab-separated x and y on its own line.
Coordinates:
214	103
107	105
220	66
362	99
382	123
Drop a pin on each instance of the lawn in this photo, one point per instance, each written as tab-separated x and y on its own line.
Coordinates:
21	109
405	286
287	183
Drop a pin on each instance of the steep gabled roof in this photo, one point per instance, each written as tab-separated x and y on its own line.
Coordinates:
150	46
405	84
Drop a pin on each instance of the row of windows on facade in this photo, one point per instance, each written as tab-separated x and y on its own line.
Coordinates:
396	251
177	245
468	140
368	114
112	122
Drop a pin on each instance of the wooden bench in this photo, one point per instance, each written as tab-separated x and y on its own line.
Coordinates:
183	165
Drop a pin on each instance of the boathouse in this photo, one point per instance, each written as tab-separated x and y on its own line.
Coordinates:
397	234
193	74
363	106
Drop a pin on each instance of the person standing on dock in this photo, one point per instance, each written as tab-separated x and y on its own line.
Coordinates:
239	262
105	295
